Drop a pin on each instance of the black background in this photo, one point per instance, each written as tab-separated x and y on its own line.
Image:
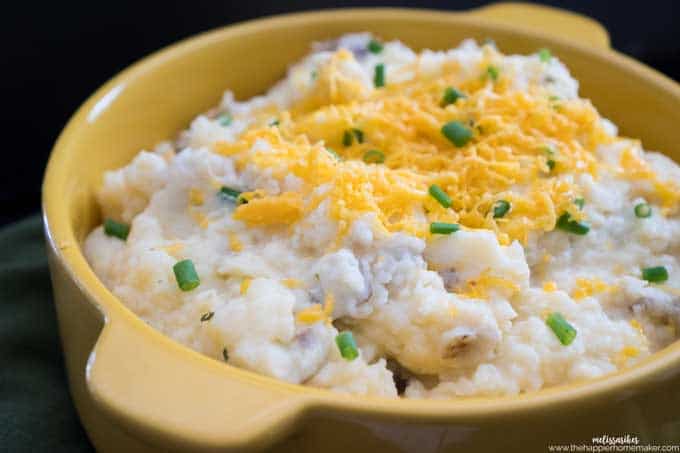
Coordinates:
57	53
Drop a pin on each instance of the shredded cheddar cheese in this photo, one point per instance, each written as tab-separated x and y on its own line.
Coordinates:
234	242
245	284
585	287
173	249
292	283
549	287
630	351
310	315
636	325
479	287
196	197
315	312
281	209
506	157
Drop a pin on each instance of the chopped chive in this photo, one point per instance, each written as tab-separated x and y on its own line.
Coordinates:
274	123
443	228
186	276
358	135
352	134
500	209
553	98
550	152
643	210
457	133
117	229
379	77
374	46
565	223
451	95
347	345
225	354
333	153
656	274
580	202
224	119
439	195
492	72
544	55
313	75
374	156
347	138
207	316
564	331
227	193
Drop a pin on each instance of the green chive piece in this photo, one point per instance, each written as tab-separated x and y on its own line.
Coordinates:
544	55
553	98
347	138
379	77
564	331
274	123
374	156
186	276
224	119
457	133
117	229
550	152
500	209
656	274
207	316
374	46
347	345
225	354
333	153
313	75
443	228
643	210
451	95
580	202
227	193
566	223
439	195
352	134
492	72
358	135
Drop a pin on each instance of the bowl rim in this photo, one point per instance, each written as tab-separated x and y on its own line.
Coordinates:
63	243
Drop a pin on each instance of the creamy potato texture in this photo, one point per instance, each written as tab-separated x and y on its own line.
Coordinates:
314	210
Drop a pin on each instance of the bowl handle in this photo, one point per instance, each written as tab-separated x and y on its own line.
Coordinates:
544	19
157	390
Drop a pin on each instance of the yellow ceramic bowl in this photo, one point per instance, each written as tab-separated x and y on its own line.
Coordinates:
136	390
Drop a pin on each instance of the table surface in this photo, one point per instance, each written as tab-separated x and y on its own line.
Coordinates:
36	412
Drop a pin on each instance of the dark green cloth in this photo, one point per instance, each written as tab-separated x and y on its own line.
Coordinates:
36	412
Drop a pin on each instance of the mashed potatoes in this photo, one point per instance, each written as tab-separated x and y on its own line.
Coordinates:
469	222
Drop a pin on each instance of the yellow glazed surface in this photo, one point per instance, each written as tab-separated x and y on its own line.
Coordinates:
137	390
